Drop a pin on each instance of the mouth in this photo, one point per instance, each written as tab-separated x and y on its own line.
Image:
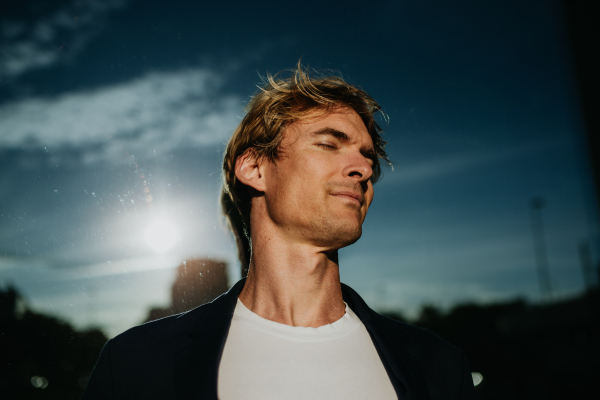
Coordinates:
350	195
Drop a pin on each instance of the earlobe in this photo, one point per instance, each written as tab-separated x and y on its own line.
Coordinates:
248	171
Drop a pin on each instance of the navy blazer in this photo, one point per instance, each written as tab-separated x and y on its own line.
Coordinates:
178	357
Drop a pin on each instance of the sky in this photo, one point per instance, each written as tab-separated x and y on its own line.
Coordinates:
114	116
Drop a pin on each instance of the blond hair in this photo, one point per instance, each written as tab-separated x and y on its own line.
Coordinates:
284	98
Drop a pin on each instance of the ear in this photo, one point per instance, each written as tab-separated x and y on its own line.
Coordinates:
248	170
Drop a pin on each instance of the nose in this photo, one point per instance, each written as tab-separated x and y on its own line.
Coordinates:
359	168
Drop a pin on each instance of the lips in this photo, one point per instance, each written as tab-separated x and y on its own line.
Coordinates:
351	194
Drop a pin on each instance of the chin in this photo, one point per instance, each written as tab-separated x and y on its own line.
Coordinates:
336	236
350	240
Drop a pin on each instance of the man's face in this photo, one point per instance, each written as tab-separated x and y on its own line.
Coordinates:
319	190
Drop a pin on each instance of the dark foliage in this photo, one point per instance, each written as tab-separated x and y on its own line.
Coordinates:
526	352
35	345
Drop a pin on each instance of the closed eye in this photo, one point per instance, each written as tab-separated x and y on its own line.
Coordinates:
328	146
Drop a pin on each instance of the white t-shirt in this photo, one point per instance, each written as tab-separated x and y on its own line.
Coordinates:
263	359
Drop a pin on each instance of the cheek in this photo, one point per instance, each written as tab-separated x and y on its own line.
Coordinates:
369	198
300	181
292	188
370	193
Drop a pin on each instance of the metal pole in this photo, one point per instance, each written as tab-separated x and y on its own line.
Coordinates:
587	266
539	245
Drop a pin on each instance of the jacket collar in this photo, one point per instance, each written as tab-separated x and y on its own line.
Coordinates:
402	368
197	364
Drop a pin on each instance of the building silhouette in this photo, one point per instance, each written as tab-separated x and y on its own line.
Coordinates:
199	281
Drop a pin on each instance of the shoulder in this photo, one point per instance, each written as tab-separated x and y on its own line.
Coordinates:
157	338
146	361
443	367
414	340
166	336
429	358
399	335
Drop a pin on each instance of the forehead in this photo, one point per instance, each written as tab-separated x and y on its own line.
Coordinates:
345	120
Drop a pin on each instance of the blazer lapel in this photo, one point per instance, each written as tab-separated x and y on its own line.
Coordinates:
403	370
197	363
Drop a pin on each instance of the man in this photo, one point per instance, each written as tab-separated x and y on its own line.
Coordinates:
299	174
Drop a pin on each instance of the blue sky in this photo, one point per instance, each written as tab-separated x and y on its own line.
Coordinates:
103	104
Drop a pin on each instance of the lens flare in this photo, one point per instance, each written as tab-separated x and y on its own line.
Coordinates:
161	235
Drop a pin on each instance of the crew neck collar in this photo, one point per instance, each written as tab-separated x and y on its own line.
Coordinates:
343	326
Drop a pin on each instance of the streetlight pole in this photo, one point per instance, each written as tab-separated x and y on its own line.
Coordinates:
539	244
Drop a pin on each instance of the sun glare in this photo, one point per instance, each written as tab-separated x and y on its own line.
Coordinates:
161	235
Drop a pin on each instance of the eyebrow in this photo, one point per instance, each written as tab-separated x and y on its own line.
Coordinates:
368	152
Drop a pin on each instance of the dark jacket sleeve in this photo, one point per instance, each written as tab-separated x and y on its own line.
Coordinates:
467	389
100	384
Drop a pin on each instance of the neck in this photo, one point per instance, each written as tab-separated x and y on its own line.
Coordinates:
293	283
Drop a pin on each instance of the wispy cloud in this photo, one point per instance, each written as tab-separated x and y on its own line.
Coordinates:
53	37
451	164
151	115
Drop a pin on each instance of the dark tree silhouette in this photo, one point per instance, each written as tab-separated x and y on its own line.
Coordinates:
549	351
42	356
